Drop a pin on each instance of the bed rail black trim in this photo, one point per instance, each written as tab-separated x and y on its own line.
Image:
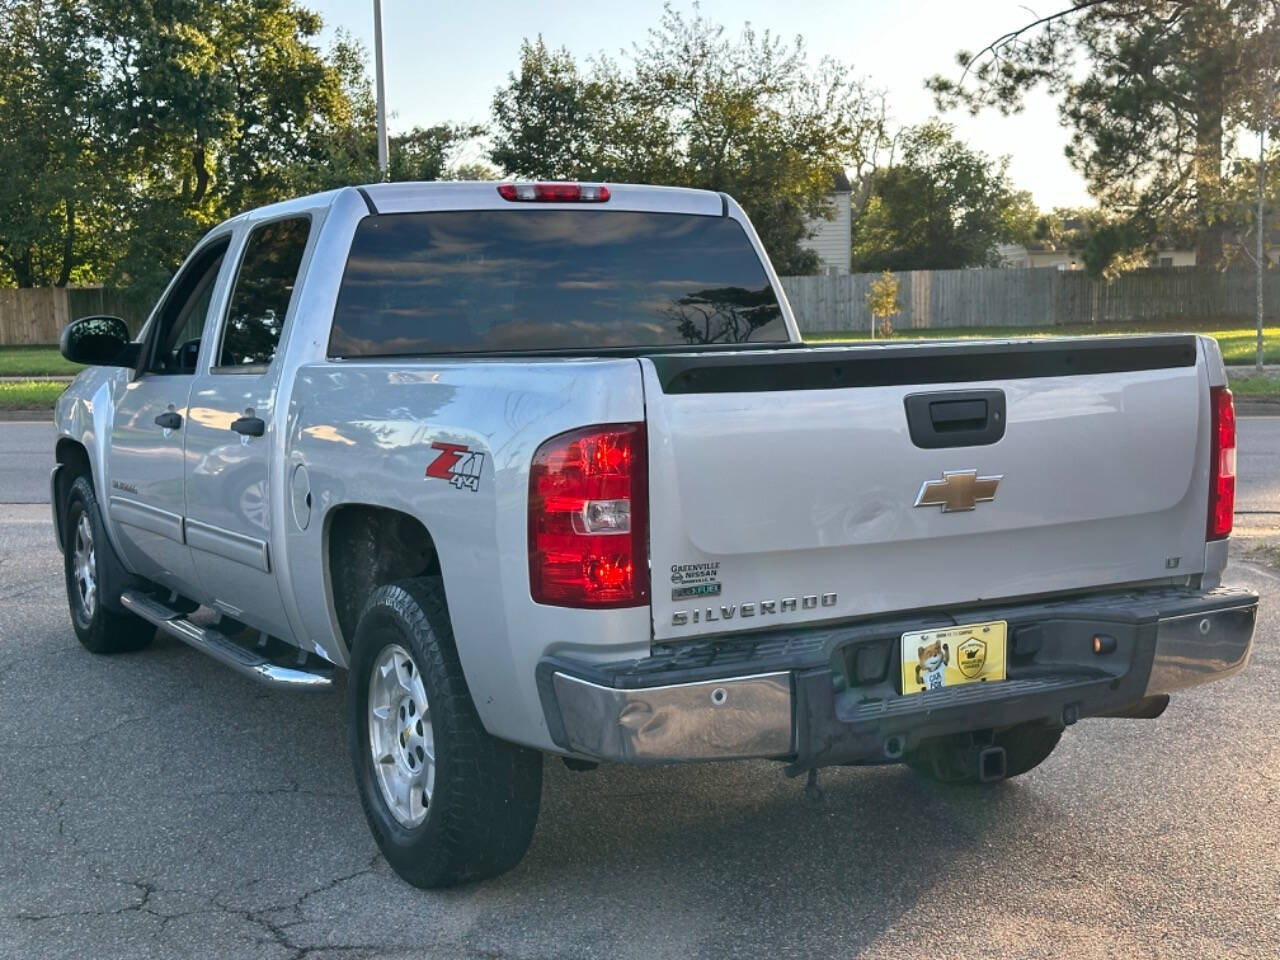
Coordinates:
899	364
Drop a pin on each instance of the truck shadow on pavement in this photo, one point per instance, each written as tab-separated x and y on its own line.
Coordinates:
219	803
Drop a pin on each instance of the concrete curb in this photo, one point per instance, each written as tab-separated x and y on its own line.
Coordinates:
26	416
1257	408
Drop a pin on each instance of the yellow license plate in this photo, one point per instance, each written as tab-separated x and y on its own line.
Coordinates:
951	656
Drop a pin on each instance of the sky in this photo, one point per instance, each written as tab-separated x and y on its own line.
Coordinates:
445	60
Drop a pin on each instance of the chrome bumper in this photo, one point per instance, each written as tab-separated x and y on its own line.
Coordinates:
728	719
781	711
1198	647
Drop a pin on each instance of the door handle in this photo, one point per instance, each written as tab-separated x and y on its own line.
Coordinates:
170	421
249	426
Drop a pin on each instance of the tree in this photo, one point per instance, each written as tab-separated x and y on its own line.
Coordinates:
1262	58
132	126
882	302
1103	241
56	169
217	105
693	107
1154	92
550	120
424	152
347	146
724	315
1020	219
940	206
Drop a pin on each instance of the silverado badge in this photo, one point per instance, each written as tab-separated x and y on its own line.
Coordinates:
958	490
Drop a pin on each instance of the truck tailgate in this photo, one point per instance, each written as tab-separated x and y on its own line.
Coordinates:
784	484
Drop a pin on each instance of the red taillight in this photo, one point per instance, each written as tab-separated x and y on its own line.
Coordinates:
555	192
588	518
1222	462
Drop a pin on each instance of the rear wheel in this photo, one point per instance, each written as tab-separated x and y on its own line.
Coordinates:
952	759
446	801
85	554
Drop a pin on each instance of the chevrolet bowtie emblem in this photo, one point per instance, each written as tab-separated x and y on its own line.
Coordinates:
958	490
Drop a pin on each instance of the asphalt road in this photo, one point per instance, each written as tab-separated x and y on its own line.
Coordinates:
157	805
26	457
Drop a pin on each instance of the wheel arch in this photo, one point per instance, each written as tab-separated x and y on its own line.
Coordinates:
71	460
366	546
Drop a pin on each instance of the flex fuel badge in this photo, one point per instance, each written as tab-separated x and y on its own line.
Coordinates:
458	464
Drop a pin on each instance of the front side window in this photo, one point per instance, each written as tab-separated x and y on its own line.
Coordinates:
501	280
263	291
181	318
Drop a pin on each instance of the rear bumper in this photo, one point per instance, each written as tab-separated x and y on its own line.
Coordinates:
1200	646
815	698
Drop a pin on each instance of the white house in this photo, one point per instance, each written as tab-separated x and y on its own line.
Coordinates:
832	240
1017	255
1173	258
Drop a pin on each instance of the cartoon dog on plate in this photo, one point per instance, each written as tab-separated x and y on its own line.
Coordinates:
934	658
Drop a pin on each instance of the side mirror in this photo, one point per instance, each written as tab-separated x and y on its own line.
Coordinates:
98	342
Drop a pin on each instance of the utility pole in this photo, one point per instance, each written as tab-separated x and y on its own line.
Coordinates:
1260	219
1260	227
381	85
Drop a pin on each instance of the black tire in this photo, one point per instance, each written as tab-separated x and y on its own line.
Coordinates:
100	625
948	759
482	810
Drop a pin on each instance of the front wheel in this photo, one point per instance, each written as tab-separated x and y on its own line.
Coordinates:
950	759
446	801
85	555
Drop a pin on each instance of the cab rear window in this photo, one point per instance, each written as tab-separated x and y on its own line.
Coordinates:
511	280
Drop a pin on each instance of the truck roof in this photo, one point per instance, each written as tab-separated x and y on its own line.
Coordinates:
425	196
415	197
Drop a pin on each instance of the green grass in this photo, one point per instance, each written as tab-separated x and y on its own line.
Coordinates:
29	394
1236	342
35	362
1255	388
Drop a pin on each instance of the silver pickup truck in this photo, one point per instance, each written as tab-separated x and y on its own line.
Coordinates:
547	470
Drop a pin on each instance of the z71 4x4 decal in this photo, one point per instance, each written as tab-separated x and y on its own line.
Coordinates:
458	464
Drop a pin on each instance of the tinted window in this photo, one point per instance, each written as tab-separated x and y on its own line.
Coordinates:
182	316
262	293
453	282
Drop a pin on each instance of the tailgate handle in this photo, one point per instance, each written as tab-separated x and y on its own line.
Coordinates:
955	418
958	415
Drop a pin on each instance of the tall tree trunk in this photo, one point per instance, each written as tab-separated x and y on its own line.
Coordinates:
68	243
201	172
1210	105
23	269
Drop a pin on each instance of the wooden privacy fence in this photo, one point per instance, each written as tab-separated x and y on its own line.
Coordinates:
37	315
1013	297
1019	297
32	315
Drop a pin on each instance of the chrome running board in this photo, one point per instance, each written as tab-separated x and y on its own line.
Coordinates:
310	673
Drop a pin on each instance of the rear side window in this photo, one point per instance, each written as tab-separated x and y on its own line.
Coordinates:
500	280
263	290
